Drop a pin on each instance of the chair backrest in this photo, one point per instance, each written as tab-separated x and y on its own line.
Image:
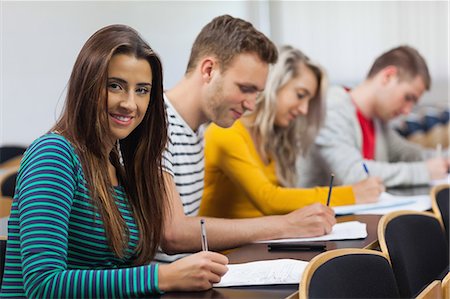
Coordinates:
417	248
349	273
9	152
440	199
8	182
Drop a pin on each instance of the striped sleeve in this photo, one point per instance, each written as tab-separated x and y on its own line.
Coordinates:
167	157
46	186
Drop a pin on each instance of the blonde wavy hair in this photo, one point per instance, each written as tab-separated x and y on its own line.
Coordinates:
285	145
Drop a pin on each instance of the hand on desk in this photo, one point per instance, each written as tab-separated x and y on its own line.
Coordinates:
437	167
368	190
196	272
311	221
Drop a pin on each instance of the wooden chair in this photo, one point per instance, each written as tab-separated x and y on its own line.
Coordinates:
8	182
349	273
446	286
432	291
5	207
11	155
417	248
440	204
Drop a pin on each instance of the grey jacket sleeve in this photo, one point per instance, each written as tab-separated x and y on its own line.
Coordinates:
400	149
340	145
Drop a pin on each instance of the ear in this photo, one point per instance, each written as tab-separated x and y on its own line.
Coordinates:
207	68
388	73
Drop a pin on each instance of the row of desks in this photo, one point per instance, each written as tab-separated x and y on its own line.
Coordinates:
255	252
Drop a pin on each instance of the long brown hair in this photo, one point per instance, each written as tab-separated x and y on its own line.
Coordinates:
85	124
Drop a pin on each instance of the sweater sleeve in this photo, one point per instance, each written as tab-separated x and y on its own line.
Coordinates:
400	149
45	190
230	148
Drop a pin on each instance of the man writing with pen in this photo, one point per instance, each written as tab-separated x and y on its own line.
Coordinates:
303	246
357	127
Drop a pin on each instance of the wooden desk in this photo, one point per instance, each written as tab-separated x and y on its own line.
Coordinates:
253	252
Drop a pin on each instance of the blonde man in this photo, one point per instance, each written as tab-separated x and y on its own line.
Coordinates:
226	71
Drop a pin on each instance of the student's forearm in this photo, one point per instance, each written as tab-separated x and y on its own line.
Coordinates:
184	236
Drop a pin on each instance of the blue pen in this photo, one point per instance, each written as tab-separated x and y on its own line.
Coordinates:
365	168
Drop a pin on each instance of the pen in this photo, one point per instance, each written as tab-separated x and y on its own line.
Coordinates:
365	168
203	235
296	247
329	190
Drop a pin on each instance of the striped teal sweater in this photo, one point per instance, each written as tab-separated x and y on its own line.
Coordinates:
56	241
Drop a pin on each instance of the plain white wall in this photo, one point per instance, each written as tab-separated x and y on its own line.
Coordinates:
346	36
40	41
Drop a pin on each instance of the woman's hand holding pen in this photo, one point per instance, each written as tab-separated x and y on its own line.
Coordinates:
196	272
311	221
368	190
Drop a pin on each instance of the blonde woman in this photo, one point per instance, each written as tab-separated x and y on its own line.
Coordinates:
250	168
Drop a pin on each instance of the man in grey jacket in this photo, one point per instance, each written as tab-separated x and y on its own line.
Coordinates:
356	128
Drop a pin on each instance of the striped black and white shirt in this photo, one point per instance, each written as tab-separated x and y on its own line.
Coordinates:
184	160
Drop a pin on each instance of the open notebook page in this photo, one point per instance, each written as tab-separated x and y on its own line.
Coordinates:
341	231
441	181
281	271
388	203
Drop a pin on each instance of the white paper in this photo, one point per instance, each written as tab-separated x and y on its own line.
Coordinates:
388	203
341	231
281	271
441	181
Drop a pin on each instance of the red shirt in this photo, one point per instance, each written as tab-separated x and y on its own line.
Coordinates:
368	134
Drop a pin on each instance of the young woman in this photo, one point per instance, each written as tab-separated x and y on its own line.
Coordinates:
88	211
250	169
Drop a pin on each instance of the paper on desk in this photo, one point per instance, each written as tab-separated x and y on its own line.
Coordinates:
281	271
441	181
388	203
341	231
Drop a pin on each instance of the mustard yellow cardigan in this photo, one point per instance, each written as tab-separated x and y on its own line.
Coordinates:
238	184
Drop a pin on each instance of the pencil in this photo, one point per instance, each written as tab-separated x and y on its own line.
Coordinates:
203	235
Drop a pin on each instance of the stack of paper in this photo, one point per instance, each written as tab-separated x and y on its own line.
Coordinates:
441	181
388	203
281	271
341	231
